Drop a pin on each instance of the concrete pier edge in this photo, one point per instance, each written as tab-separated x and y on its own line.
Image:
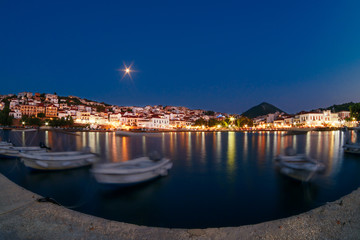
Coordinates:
23	217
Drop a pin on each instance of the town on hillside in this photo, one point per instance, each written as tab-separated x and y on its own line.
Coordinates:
37	109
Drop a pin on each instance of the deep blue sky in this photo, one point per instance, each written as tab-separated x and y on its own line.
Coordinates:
222	56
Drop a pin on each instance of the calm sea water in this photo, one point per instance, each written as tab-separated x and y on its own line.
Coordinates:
218	179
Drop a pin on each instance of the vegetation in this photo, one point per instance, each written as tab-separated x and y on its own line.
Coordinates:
339	107
41	115
201	122
31	121
355	111
100	108
5	118
210	113
260	110
237	122
244	121
68	121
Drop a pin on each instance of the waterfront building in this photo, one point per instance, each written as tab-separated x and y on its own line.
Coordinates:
63	114
40	108
30	110
319	119
179	123
114	118
51	111
129	120
16	114
83	117
158	121
344	114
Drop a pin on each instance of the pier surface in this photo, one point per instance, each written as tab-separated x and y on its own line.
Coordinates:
23	217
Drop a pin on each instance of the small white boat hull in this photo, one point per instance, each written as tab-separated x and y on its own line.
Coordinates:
5	144
117	174
25	130
58	160
137	134
11	151
352	148
298	167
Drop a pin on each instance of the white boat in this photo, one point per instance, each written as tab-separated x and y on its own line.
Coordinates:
58	160
12	151
131	172
24	130
3	143
298	131
298	166
350	147
123	133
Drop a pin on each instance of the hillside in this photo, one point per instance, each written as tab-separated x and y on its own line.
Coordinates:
339	107
261	109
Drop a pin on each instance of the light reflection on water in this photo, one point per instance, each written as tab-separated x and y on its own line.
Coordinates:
219	178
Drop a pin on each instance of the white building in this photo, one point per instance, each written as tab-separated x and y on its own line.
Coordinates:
13	103
114	117
344	114
25	94
319	118
129	120
54	99
16	114
63	114
88	109
160	122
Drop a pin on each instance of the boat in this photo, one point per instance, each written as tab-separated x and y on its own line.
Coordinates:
298	166
123	133
350	147
12	151
58	160
3	144
24	130
131	172
298	131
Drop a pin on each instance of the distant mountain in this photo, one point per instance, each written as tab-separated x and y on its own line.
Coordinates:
261	109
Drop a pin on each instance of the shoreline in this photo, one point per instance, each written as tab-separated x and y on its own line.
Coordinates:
23	217
176	130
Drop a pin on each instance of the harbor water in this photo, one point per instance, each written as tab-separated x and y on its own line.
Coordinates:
218	179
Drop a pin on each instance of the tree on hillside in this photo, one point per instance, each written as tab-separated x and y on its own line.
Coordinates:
61	122
100	108
355	111
213	122
41	115
5	118
200	122
210	113
33	121
242	121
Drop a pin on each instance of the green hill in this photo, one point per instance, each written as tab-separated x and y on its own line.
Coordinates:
339	107
261	109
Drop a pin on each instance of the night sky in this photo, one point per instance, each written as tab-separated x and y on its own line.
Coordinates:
222	56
